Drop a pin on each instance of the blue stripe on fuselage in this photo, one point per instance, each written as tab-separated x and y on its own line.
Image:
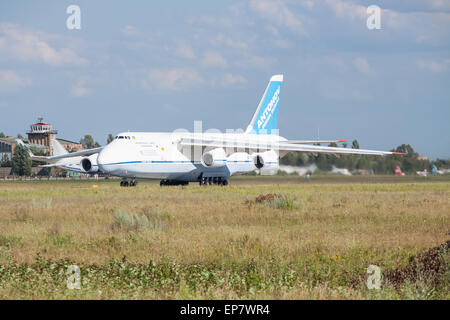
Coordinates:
165	161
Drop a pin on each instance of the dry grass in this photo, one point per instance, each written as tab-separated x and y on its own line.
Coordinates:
313	249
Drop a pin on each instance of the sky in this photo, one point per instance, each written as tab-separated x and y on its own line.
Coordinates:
161	65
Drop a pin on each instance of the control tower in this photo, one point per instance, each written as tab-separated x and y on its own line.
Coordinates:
43	134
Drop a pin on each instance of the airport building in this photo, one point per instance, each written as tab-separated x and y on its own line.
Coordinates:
40	135
7	146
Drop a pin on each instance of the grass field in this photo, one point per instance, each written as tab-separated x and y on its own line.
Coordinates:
152	242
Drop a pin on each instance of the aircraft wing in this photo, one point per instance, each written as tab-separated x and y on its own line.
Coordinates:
76	154
281	146
39	158
315	141
49	165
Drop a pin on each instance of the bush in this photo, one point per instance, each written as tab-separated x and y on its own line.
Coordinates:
283	202
135	222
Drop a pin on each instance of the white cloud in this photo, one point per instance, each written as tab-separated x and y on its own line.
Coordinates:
28	45
129	31
254	61
434	66
421	27
439	4
213	59
308	4
230	80
347	9
229	42
184	51
362	65
176	79
10	81
278	13
79	89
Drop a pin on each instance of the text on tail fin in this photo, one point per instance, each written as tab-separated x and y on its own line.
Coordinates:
265	119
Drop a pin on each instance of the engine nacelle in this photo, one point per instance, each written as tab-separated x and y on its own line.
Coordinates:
265	159
214	158
87	165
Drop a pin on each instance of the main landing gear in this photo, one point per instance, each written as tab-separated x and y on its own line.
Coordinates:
213	180
125	183
173	183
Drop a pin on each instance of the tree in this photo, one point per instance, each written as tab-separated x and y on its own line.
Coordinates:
19	136
2	135
21	162
355	144
110	138
5	162
87	142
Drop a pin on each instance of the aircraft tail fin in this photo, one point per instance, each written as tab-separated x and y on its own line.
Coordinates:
58	149
265	119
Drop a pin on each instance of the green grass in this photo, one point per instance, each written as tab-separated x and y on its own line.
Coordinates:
313	242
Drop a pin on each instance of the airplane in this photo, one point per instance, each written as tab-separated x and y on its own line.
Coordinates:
435	170
398	171
423	173
180	157
74	164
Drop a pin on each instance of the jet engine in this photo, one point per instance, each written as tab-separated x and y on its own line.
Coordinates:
262	160
214	158
258	161
87	166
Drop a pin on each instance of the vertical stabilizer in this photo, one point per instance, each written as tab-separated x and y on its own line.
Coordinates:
265	119
57	148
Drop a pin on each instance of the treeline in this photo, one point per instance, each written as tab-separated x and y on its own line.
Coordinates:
409	163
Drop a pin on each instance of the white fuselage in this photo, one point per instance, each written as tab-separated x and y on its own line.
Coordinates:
161	156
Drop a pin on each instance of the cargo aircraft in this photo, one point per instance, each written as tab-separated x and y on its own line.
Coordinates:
177	158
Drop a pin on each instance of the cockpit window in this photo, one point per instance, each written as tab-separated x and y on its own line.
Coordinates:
123	137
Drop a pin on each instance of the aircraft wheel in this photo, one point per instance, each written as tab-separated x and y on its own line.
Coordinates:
224	182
